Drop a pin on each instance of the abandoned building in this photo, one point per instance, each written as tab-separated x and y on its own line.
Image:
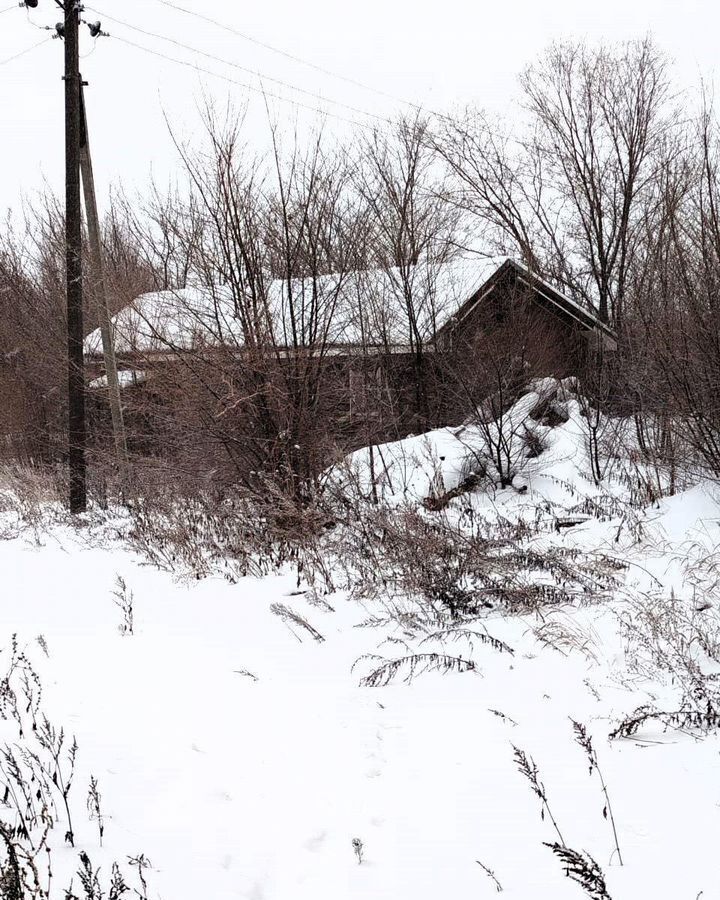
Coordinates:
364	356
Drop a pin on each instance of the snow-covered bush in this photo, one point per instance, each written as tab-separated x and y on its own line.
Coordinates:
495	445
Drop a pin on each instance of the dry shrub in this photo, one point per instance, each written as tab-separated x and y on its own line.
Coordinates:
30	499
458	570
198	536
670	635
582	868
231	533
37	767
677	640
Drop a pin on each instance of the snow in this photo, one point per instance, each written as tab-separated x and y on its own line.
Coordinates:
243	757
126	378
420	465
357	308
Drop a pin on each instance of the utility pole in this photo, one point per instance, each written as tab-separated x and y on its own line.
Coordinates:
98	272
73	241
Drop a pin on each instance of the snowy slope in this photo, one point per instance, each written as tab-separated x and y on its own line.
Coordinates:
243	757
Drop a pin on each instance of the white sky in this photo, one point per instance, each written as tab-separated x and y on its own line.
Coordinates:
438	54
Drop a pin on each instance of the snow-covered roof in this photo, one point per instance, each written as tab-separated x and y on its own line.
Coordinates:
361	308
355	308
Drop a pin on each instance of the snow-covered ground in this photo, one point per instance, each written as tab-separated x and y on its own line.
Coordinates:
243	757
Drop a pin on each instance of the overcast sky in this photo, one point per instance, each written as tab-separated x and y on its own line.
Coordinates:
437	54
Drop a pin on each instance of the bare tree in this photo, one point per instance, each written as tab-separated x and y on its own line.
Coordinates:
570	195
413	237
674	334
270	242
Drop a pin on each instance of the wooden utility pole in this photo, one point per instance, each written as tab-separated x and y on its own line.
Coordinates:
98	273
73	240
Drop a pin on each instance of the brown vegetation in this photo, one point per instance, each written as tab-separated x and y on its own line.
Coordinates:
603	191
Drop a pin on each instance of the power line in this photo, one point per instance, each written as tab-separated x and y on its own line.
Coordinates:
35	24
245	85
23	52
291	56
90	52
242	68
8	8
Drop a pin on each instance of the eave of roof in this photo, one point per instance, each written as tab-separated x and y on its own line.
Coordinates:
556	297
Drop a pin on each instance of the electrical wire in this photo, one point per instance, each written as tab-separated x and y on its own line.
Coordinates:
8	8
35	24
291	56
245	85
23	52
90	52
227	62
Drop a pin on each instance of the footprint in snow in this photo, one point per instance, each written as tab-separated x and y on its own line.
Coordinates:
314	843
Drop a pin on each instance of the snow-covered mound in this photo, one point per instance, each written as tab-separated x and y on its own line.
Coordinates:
539	443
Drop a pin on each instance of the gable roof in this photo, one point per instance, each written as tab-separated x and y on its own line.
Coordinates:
354	309
543	292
